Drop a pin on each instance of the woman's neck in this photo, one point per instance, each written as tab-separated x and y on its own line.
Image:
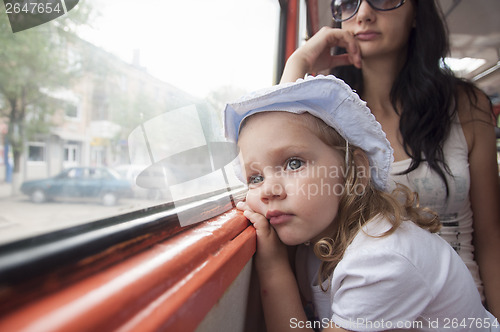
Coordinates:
378	78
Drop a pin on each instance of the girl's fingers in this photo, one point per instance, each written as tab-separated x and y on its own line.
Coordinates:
270	250
258	220
261	224
254	217
242	205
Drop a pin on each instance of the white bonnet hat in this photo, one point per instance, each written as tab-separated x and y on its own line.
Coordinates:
327	98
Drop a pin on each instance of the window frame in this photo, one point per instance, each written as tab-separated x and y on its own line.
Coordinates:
153	260
43	148
36	268
71	254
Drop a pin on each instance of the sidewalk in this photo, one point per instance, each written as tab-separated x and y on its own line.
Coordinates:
5	190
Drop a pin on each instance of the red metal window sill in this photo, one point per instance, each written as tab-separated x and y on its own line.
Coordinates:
170	286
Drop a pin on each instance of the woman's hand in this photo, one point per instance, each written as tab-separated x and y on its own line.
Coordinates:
315	55
271	252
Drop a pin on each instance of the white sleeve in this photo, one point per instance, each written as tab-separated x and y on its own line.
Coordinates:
377	289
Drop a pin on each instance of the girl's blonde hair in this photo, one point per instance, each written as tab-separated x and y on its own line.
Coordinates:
356	209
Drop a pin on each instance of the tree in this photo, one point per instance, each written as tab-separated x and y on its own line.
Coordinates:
219	97
32	63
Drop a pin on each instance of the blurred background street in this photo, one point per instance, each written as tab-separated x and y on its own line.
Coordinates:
21	218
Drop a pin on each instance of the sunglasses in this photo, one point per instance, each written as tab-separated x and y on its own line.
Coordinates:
342	10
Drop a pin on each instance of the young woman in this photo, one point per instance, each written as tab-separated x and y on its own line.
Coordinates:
317	163
439	126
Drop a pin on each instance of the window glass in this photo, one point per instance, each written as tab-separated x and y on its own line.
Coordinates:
71	110
110	107
36	152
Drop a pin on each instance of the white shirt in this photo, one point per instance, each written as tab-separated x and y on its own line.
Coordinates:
455	210
411	278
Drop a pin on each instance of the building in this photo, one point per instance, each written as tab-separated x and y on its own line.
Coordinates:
92	118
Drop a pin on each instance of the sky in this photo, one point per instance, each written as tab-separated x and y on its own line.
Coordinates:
196	45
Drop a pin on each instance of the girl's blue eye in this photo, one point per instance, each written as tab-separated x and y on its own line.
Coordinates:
294	164
254	179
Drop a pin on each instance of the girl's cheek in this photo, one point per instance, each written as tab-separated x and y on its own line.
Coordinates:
252	199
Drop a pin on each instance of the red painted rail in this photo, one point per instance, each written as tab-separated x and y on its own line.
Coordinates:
170	286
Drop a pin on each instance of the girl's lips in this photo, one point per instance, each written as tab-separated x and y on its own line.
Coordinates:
278	218
366	36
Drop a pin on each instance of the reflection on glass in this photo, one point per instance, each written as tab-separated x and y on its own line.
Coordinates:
79	94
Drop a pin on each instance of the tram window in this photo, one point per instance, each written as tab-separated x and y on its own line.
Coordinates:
146	81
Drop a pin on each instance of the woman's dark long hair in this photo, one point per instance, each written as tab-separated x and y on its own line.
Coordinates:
425	92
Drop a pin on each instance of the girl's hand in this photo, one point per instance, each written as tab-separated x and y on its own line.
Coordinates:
315	55
271	252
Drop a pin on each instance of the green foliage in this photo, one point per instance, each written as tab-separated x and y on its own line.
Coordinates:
33	63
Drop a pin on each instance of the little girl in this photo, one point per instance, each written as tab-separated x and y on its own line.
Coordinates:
317	163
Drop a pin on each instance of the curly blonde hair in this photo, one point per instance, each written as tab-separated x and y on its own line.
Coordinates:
356	209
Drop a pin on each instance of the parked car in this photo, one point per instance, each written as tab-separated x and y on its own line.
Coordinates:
79	182
130	173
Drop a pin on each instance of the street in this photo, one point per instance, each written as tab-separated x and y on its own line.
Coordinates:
20	218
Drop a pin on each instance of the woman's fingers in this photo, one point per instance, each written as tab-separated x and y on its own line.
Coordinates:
316	54
319	49
341	38
351	45
342	60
